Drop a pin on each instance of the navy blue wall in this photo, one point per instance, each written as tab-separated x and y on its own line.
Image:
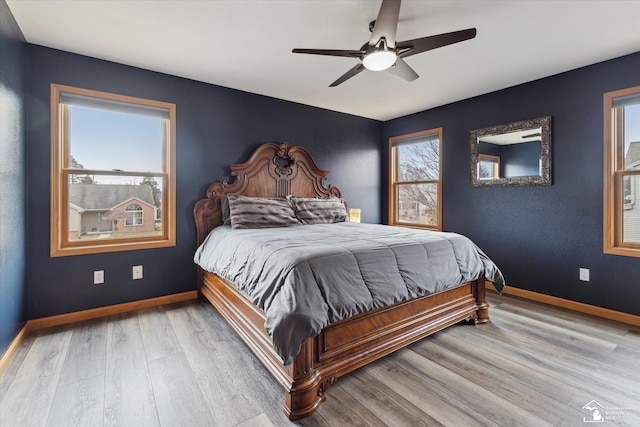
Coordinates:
540	236
520	159
13	178
215	126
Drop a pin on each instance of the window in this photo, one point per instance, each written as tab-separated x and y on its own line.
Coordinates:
622	172
112	172
415	190
488	166
133	215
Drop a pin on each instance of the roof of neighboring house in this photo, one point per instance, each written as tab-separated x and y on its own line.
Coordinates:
102	197
633	154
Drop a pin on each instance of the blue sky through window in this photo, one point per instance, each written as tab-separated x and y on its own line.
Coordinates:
631	125
108	140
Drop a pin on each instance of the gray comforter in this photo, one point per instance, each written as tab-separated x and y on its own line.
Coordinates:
306	277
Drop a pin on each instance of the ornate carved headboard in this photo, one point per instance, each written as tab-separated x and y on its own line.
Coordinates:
273	170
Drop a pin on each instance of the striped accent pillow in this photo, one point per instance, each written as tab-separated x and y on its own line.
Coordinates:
260	212
224	207
310	210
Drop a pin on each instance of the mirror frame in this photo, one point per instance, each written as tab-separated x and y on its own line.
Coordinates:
545	153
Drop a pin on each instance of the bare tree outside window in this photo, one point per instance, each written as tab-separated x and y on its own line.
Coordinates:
416	179
488	166
486	170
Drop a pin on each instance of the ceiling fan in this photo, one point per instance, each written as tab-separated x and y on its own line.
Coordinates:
382	52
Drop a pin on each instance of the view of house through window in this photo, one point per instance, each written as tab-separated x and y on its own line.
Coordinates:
622	172
112	172
415	189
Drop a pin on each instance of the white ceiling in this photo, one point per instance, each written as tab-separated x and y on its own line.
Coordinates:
246	44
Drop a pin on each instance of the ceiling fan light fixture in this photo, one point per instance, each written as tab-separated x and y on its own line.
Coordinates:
383	52
379	60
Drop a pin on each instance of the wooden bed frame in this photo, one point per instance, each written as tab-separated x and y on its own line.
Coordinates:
278	170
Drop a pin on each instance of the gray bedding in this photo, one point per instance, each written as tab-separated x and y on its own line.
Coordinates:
306	277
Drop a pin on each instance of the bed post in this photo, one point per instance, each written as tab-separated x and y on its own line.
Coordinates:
308	387
482	312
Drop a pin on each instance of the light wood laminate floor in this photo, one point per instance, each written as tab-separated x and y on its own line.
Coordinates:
182	365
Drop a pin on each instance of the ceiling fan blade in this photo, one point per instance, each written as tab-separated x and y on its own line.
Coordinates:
386	23
403	70
412	47
532	135
346	76
331	52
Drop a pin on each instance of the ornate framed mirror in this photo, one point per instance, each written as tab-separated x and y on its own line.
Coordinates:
516	153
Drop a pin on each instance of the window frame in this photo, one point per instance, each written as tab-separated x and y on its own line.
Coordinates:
61	169
394	183
136	213
614	173
495	165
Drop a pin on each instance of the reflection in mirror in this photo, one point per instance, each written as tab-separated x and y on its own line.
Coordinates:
513	154
518	150
488	166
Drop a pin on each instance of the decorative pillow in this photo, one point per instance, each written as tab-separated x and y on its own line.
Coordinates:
310	210
224	207
260	212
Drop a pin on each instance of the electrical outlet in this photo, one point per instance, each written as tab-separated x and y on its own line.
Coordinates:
98	277
137	272
584	274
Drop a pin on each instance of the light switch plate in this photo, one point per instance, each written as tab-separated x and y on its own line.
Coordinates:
98	277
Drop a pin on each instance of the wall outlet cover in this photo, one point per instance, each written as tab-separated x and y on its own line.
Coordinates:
584	274
98	277
137	272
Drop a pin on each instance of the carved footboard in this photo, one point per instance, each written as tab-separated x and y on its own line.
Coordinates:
343	346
